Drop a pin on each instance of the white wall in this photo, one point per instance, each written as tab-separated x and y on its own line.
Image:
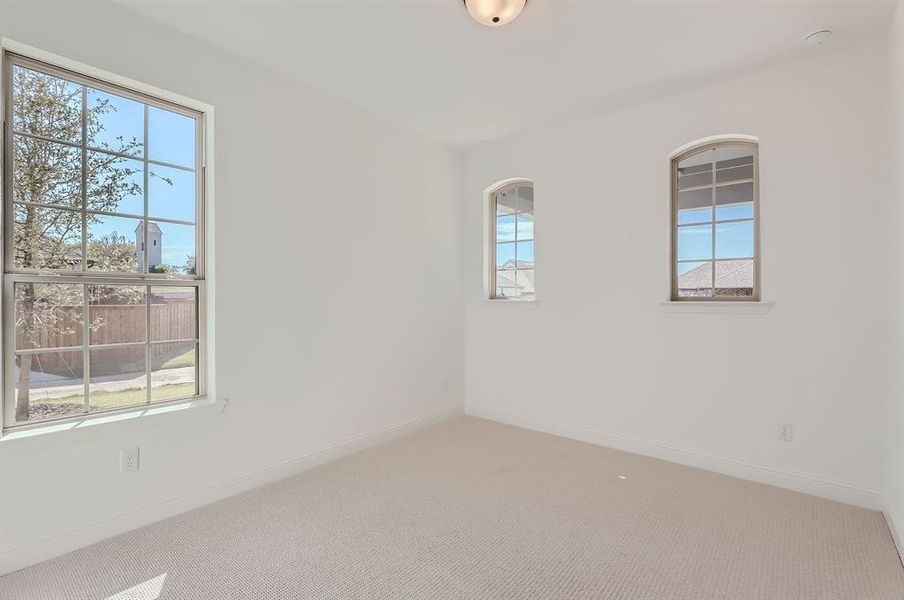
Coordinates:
894	431
338	301
599	358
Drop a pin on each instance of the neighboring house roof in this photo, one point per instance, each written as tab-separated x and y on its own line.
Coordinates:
730	274
522	264
506	280
153	227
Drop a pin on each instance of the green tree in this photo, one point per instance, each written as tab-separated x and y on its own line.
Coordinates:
49	173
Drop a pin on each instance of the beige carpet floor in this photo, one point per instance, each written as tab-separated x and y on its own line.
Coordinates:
472	509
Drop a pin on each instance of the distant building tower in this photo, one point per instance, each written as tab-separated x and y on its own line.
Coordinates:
155	245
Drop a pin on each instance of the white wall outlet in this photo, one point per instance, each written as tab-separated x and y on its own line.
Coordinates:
786	432
128	460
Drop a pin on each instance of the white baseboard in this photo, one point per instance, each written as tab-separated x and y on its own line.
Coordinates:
807	483
95	531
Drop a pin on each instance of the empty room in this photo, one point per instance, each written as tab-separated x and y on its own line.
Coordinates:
452	300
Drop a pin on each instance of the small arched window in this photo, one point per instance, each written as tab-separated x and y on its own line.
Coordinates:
715	221
512	242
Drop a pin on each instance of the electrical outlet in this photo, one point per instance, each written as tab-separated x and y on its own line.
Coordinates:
128	460
786	432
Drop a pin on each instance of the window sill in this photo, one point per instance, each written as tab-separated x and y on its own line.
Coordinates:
51	433
717	308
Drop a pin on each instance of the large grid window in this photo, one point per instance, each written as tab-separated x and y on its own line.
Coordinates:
103	263
715	251
513	243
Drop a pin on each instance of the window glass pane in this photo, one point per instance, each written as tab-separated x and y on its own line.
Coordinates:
171	137
49	315
505	228
695	241
734	193
525	198
695	206
729	212
525	282
695	279
118	377
734	240
695	215
734	174
49	385
46	105
47	238
734	278
171	193
506	284
506	202
525	254
171	248
115	123
690	180
118	314
733	155
173	371
173	313
695	164
115	184
525	227
112	244
46	172
695	293
505	255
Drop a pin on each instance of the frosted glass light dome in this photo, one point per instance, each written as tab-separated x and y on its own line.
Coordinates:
495	13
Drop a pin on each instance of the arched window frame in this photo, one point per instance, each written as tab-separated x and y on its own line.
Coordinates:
682	153
491	195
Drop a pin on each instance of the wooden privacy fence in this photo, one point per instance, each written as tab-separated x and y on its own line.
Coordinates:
112	324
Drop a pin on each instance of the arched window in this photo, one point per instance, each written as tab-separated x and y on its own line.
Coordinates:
715	227
511	242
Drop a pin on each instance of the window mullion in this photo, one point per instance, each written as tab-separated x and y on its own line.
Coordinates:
86	314
494	208
147	337
84	178
515	242
144	240
147	266
712	262
86	352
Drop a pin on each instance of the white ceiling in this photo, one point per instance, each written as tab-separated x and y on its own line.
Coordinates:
427	65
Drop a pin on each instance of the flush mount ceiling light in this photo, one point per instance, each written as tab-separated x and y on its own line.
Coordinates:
494	13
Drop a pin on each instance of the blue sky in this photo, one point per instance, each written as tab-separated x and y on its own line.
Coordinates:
505	231
171	136
733	240
171	191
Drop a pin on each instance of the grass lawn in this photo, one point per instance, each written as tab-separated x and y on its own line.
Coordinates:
183	360
103	399
114	399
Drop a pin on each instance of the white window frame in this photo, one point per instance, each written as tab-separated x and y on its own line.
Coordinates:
490	240
14	53
679	155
